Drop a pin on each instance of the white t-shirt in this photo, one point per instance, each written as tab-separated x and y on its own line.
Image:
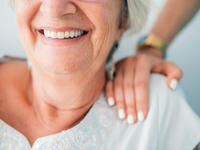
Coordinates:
170	125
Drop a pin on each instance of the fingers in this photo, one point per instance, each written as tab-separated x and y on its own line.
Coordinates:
123	94
142	75
109	93
119	95
174	74
128	87
171	70
130	105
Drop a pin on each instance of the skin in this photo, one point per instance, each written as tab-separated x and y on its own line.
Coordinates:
130	87
183	11
65	80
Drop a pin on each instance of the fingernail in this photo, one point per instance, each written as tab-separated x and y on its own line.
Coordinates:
111	101
130	119
173	84
140	116
121	113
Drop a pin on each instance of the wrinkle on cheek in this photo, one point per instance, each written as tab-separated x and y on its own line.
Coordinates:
26	10
106	41
108	30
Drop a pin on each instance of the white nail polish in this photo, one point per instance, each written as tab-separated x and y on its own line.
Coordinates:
121	113
140	116
111	101
130	119
173	84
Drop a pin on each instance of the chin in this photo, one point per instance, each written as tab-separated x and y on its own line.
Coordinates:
65	63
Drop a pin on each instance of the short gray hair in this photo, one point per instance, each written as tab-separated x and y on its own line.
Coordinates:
135	12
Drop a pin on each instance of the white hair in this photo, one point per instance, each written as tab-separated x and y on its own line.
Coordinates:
137	12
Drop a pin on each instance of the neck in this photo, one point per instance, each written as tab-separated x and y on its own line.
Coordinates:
64	99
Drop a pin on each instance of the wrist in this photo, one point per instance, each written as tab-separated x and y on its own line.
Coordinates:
151	51
152	44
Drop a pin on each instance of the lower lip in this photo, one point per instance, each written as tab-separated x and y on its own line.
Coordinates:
61	42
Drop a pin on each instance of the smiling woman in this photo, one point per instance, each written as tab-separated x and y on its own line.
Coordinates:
59	104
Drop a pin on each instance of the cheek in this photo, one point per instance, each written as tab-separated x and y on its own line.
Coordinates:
25	11
105	21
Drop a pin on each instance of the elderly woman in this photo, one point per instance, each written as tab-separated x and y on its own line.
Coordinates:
59	103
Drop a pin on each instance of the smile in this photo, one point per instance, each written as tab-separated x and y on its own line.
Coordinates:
62	37
73	34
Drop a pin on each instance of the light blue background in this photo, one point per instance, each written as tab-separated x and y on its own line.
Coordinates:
185	50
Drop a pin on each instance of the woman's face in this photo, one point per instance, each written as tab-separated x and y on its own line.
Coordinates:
66	36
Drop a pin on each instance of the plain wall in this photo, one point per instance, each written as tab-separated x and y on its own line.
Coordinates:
184	51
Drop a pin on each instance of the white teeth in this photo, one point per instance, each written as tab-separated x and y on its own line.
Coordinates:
62	35
53	35
79	32
66	34
71	34
47	33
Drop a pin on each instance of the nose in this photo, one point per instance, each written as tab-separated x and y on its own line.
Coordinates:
57	8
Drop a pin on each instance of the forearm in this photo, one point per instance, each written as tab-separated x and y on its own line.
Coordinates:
196	148
174	16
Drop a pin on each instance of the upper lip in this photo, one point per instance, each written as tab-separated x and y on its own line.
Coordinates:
61	29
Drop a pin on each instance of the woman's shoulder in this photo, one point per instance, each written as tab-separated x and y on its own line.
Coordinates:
12	73
158	83
160	91
169	102
9	63
177	122
11	68
170	124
